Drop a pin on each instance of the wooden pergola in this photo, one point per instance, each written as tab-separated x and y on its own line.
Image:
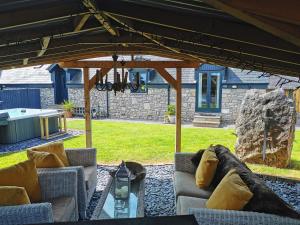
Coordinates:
106	66
255	35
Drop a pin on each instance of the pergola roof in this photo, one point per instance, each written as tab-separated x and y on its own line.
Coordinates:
38	32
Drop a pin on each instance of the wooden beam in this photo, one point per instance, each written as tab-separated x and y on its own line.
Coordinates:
276	28
82	21
93	80
178	110
44	44
87	109
219	26
213	42
287	11
100	17
25	61
156	41
29	16
130	64
167	76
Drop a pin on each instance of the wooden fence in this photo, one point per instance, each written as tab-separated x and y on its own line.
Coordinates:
20	98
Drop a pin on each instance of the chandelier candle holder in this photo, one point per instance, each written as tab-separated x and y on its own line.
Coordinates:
120	82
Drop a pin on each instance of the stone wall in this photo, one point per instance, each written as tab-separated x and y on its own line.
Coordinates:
231	102
140	106
47	97
136	106
188	103
148	106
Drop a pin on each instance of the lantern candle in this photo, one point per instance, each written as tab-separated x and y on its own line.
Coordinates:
122	182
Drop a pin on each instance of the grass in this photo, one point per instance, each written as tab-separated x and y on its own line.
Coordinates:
154	143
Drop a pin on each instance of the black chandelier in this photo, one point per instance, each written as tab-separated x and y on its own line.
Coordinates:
120	83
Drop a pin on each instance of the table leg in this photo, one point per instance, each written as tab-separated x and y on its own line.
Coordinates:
65	123
60	124
47	127
42	128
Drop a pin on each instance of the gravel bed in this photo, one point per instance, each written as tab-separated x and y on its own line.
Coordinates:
159	194
289	191
36	141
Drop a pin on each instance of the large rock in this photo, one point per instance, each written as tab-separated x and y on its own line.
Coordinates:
250	128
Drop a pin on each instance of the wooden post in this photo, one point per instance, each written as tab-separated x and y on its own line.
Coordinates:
178	111
47	128
87	109
42	128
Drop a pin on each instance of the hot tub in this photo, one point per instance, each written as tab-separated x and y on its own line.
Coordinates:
24	124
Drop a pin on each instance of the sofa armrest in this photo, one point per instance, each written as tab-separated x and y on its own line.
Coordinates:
82	157
26	214
81	186
183	162
224	217
55	184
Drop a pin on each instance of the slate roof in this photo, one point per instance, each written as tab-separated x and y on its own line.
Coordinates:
40	75
245	76
26	75
274	80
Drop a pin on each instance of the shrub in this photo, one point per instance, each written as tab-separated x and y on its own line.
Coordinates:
171	110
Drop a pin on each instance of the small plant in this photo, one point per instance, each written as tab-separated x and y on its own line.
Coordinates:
171	110
68	106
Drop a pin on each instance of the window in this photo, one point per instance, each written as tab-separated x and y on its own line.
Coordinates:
143	77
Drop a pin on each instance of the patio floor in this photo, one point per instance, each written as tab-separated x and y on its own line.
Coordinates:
6	148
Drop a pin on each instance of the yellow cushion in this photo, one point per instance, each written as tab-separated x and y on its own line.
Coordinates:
206	168
44	159
23	174
230	194
54	148
12	195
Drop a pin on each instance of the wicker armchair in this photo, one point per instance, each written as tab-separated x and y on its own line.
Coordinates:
83	161
59	202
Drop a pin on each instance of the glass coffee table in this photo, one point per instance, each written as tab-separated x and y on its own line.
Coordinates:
110	208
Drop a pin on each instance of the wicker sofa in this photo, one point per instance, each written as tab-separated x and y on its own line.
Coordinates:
191	200
83	161
59	201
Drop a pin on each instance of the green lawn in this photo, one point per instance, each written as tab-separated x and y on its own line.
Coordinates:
154	143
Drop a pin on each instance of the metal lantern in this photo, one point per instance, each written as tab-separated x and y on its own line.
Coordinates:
122	182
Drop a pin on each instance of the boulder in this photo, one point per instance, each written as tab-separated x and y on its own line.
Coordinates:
266	120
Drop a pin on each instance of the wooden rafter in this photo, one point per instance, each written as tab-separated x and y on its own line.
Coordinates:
130	64
161	44
217	27
287	11
167	76
286	31
100	17
186	37
29	17
81	22
44	44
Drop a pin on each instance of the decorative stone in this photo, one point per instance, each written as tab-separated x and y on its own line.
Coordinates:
271	117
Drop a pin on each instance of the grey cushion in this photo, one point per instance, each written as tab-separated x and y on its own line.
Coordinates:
63	209
185	185
184	203
90	174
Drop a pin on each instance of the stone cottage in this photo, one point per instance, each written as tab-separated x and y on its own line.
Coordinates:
211	94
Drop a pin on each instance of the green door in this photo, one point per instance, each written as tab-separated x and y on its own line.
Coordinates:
208	92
